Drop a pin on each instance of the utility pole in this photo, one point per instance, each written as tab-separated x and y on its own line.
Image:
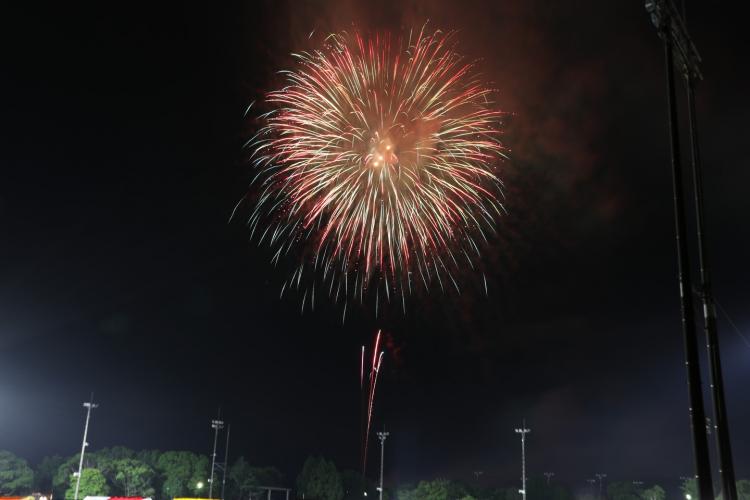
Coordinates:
216	425
523	431
600	477
671	30
721	422
382	435
90	405
549	476
226	461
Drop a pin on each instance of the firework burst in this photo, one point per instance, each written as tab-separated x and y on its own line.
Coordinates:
377	163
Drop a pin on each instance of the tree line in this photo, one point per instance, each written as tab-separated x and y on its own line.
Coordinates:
119	471
163	475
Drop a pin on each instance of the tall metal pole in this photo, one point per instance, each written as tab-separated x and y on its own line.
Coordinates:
226	461
90	405
721	424
216	425
523	431
663	17
697	412
382	435
600	477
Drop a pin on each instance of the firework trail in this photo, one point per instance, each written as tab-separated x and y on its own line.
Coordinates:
368	398
362	369
377	164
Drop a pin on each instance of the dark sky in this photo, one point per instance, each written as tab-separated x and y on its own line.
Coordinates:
121	159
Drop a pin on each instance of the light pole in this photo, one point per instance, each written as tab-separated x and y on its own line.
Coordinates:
382	435
90	405
523	431
216	425
549	476
726	463
600	477
226	461
671	28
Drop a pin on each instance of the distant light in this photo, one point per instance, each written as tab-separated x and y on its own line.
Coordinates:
365	493
688	496
200	485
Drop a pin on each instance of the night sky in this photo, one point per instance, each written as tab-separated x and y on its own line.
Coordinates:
121	160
